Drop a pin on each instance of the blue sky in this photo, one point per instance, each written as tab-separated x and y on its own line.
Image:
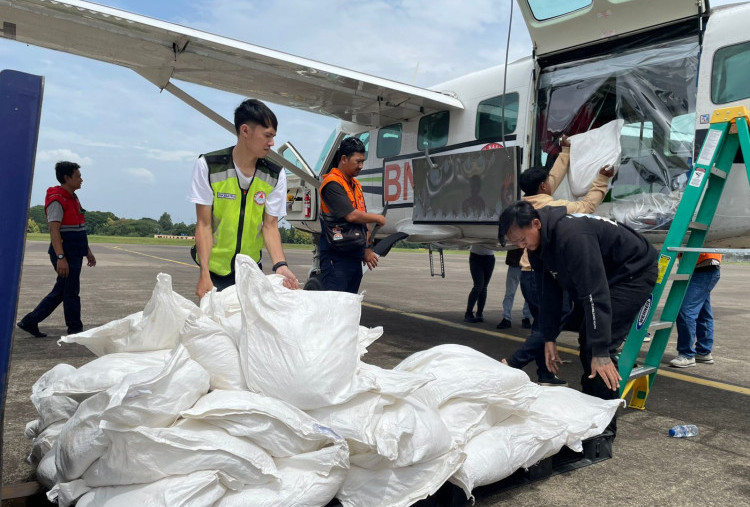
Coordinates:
137	146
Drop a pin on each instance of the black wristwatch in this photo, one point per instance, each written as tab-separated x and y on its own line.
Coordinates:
61	256
278	265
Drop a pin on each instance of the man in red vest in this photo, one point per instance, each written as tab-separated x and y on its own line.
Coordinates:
345	213
68	246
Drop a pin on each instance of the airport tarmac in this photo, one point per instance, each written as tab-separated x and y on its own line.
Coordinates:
417	312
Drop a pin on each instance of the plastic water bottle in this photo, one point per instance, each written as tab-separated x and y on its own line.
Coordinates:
683	430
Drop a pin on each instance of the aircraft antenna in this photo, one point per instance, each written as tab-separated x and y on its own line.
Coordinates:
505	79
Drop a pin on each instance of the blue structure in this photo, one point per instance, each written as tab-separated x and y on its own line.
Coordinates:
20	111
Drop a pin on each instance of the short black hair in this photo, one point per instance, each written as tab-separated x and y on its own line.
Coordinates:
530	180
254	111
520	213
63	169
348	147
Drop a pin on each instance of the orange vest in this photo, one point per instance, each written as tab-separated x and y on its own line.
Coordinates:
353	190
705	256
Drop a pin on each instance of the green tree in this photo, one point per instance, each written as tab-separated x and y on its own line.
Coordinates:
36	213
31	226
96	221
165	222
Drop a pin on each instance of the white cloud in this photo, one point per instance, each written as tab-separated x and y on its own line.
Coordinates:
62	154
141	175
171	156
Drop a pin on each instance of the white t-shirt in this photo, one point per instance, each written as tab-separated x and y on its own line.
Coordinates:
202	193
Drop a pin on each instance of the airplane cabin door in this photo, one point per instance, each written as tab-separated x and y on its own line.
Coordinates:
302	196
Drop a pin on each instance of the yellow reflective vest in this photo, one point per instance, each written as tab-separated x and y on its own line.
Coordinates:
237	213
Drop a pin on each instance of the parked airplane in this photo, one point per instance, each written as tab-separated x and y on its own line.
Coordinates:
446	159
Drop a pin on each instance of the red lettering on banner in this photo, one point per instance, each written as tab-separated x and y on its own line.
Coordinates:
392	182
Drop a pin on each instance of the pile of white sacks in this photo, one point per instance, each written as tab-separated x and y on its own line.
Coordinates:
260	397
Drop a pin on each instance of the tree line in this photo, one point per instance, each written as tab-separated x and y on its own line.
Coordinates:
106	223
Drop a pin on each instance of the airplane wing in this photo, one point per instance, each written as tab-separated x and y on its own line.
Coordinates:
161	51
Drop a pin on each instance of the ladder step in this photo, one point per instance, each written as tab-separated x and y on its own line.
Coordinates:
659	324
697	226
641	371
719	173
681	277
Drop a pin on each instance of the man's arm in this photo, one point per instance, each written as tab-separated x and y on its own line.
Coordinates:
57	245
590	280
561	165
362	217
272	239
593	198
203	243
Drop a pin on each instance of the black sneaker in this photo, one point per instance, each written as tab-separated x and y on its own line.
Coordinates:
469	317
526	323
504	324
554	381
75	330
479	317
32	329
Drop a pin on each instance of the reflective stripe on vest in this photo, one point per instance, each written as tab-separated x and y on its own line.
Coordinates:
355	194
237	214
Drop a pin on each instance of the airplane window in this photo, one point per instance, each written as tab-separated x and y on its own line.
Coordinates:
389	141
681	134
547	9
433	130
636	138
365	138
730	77
490	116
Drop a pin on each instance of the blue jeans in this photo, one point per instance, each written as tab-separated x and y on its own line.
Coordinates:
695	322
511	285
533	347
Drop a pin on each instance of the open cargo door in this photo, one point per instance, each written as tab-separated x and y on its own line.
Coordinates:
561	26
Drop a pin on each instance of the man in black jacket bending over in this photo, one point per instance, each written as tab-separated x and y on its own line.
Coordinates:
608	268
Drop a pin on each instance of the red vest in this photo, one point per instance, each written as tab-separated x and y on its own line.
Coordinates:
72	214
353	190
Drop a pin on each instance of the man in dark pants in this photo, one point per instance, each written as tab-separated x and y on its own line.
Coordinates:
68	245
342	199
608	268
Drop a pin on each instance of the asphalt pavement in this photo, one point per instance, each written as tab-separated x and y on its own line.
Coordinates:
419	311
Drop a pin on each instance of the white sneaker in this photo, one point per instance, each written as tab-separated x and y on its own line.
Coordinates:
707	359
682	362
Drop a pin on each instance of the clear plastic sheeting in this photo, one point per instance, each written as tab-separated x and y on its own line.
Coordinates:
651	88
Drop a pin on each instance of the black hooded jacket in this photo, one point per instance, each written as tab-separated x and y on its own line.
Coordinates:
586	254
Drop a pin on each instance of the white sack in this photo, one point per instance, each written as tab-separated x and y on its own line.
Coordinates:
157	328
100	374
276	426
154	396
393	382
305	480
366	336
462	372
197	489
498	452
142	455
467	418
397	487
356	420
211	346
408	432
299	346
44	441
46	470
589	152
582	416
